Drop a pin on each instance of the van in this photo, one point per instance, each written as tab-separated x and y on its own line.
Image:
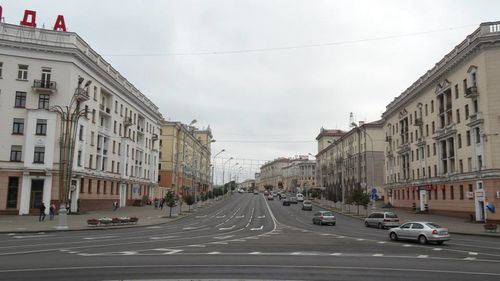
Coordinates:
300	197
382	220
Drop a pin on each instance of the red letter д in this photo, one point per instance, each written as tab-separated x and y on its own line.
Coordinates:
60	25
27	21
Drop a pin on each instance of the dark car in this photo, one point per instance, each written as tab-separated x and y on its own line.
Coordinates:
286	202
293	200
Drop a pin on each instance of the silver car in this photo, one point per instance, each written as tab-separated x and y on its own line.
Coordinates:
307	205
382	220
324	217
422	232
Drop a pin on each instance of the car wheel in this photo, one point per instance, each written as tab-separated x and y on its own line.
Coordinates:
380	225
439	242
422	240
314	222
393	236
367	224
333	224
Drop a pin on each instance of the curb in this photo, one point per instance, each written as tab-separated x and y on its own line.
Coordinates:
451	232
179	217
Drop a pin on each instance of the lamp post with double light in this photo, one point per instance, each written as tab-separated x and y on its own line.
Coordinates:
69	117
213	166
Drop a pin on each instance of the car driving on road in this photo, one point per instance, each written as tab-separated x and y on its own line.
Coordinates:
307	205
324	217
300	197
423	232
382	220
293	200
286	202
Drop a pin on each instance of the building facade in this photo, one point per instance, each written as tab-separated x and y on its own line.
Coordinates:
271	174
185	156
443	145
299	175
115	140
352	161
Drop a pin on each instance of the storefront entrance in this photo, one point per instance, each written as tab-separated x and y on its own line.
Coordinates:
36	197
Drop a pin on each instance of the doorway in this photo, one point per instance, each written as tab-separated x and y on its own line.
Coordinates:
36	196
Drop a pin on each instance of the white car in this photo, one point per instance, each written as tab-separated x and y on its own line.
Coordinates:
300	197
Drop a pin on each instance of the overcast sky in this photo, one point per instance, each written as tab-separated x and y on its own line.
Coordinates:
267	75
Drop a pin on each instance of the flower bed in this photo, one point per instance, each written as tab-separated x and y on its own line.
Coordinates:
105	221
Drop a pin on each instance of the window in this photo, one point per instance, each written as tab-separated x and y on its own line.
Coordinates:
95	93
12	192
43	101
467	136
104	191
116	106
92	137
15	153
432	106
478	135
458	116
89	188
1	67
456	91
117	167
114	145
443	191
459	140
114	127
79	159
82	184
20	100
91	159
461	165
433	127
18	126
479	162
80	133
452	193
22	72
41	127
466	112
434	149
461	192
39	156
93	116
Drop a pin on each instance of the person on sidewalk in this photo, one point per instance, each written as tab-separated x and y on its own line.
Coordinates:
115	206
42	212
52	211
162	202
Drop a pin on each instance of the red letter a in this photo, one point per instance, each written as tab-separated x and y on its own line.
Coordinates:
60	25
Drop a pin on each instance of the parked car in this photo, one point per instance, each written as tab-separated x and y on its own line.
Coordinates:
270	197
293	200
324	217
423	232
307	205
382	220
286	202
300	197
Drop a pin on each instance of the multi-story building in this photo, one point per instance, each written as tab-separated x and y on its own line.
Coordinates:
299	174
271	174
257	182
115	140
350	160
443	142
185	154
324	157
248	184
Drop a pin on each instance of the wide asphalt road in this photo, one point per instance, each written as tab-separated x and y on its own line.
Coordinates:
244	237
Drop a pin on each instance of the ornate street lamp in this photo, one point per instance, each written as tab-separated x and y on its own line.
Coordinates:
69	116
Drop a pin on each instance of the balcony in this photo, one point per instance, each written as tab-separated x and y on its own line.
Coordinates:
127	122
471	92
475	119
446	131
419	122
106	111
44	87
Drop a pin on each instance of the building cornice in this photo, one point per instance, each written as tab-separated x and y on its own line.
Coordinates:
488	34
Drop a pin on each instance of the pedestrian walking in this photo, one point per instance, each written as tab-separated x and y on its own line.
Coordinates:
156	203
162	201
115	205
42	212
52	211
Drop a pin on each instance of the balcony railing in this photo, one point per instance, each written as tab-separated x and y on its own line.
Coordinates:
82	94
127	122
44	86
471	92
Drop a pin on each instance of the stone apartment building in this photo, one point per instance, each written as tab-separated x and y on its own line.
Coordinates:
185	154
299	175
116	139
271	174
442	149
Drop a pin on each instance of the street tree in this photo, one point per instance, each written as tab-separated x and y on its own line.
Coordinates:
170	201
188	199
360	198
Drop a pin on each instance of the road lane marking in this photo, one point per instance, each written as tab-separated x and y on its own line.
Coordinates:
227	228
99	237
213	253
257	228
240	217
473	253
381	242
197	246
336	254
128	253
192	227
154	227
360	239
171	252
162	237
220	217
30	236
262	217
378	255
422	256
469	258
340	236
406	245
254	253
219	243
437	249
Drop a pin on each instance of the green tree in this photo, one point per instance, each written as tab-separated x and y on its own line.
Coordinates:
170	201
360	198
188	199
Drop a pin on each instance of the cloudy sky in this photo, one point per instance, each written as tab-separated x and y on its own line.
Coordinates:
266	75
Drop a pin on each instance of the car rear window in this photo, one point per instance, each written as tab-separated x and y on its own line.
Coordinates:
328	214
391	215
433	225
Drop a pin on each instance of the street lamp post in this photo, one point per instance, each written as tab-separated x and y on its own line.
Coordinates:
224	168
69	116
213	166
230	169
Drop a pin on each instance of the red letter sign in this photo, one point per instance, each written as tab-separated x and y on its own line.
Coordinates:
1	13
60	25
32	21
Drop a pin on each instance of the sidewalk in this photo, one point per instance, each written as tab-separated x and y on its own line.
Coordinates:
148	216
454	225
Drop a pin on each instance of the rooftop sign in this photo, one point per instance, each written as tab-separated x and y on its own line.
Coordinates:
29	19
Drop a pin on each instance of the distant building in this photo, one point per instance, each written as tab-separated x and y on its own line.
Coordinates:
299	175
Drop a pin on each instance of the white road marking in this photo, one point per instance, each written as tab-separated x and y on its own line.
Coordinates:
422	256
11	234
469	258
340	236
240	217
325	234
261	217
220	217
154	227
360	239
171	252
437	249
381	242
213	253
473	253
30	236
406	245
192	227
378	255
254	253
223	237
128	253
219	243
227	228
238	240
197	246
99	237
336	254
257	228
